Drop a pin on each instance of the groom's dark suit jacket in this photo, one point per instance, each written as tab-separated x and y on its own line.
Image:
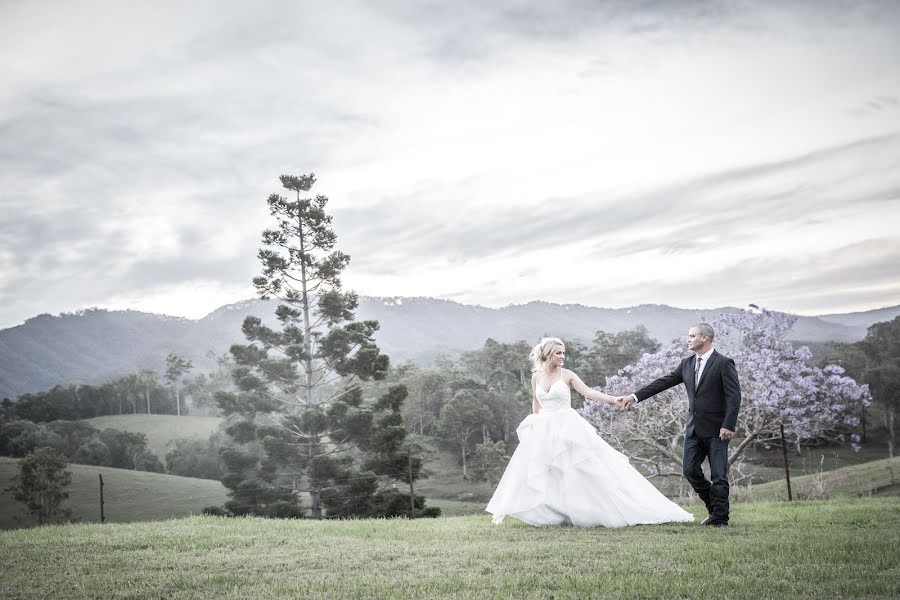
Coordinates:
713	404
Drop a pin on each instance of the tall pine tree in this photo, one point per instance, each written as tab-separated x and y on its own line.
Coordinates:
299	411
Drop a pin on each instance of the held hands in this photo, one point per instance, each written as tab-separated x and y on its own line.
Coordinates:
624	402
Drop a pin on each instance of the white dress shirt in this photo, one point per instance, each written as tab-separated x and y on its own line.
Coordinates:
703	360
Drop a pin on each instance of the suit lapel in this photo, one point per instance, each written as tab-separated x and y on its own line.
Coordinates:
709	363
689	380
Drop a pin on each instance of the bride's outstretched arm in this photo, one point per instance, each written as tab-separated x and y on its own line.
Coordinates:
535	405
591	393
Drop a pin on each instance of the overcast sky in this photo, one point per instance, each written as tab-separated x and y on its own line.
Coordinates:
602	153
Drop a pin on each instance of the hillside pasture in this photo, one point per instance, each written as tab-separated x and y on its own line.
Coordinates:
160	430
874	478
129	495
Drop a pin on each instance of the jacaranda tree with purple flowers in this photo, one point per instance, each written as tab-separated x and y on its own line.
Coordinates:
779	386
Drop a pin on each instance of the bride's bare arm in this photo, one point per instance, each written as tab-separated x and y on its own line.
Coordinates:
535	405
579	386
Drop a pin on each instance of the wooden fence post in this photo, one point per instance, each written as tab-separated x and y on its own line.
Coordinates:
102	516
787	468
412	493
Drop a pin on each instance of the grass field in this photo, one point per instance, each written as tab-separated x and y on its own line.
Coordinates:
875	478
160	429
128	495
833	549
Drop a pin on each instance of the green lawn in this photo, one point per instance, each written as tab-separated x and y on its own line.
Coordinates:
128	495
833	549
160	429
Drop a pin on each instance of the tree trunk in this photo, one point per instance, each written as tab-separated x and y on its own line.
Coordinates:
147	394
463	446
315	493
307	329
740	449
177	401
862	422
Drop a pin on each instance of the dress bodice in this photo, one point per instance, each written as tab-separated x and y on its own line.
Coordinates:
557	398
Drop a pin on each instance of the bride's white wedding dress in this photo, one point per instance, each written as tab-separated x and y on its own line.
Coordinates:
564	473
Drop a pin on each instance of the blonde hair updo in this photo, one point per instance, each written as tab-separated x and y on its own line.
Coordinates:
541	353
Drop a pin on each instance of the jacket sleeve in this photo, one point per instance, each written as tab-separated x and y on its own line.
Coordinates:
661	384
732	388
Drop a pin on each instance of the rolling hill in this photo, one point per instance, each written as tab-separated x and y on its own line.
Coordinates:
873	478
96	345
128	495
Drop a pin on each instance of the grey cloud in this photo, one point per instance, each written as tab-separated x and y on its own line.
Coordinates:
855	264
875	106
715	205
466	31
147	273
885	143
818	281
472	28
815	282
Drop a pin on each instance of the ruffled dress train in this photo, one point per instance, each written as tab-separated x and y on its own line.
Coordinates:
564	473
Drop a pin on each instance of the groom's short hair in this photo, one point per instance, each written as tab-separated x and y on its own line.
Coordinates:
706	330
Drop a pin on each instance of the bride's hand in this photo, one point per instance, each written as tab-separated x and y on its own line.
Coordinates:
624	402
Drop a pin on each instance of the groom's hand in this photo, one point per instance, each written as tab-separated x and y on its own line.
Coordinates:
726	434
627	401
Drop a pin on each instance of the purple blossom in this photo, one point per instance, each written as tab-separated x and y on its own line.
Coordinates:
778	386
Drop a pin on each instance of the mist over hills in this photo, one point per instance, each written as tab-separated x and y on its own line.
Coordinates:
95	345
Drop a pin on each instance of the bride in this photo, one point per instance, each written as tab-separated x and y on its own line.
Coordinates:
563	472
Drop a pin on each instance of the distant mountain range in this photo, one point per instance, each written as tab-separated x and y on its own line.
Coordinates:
95	345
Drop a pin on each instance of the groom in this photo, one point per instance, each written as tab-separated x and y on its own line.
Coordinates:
714	397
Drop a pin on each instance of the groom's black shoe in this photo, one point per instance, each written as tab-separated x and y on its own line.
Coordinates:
712	522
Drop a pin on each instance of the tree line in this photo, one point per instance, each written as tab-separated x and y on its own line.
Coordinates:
81	443
143	392
875	360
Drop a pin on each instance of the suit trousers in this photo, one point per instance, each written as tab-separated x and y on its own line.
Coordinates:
713	493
